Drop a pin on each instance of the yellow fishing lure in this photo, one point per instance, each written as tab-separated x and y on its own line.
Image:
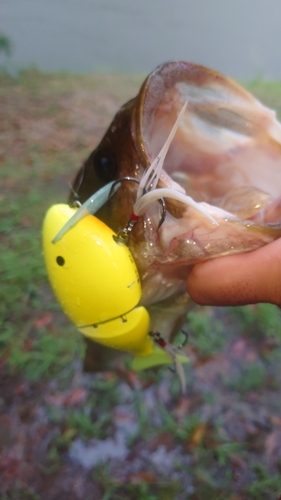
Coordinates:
96	281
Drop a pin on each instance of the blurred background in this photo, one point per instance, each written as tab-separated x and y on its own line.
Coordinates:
241	38
66	67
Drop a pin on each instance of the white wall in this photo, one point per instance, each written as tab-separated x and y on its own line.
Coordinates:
241	38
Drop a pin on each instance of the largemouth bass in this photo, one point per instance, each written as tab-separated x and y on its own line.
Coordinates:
226	155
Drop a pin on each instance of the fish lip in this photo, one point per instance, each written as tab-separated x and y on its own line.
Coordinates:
122	316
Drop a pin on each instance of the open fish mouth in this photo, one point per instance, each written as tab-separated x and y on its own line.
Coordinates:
225	156
226	138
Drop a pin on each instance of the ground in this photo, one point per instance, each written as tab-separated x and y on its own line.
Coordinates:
116	436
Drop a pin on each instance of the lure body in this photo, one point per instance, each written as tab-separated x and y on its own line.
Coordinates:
96	281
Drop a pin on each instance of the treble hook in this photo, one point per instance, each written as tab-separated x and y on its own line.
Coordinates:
184	342
124	234
172	369
163	212
127	178
174	353
75	196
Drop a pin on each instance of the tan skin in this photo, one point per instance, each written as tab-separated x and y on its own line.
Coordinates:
239	279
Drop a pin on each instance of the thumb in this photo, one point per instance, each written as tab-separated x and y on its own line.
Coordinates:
239	279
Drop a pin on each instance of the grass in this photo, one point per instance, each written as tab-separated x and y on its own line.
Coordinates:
261	320
252	378
49	130
264	484
206	331
35	350
114	490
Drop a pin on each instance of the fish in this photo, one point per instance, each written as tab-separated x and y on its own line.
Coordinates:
225	155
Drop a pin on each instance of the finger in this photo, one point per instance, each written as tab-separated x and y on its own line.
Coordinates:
239	279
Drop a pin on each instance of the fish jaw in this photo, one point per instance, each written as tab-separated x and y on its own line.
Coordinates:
226	140
226	153
165	257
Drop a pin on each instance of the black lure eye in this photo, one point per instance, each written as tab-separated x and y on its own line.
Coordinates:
104	165
60	260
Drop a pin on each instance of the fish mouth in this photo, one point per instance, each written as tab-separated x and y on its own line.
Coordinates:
225	155
225	146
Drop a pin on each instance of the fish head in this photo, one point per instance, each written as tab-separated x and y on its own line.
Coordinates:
226	155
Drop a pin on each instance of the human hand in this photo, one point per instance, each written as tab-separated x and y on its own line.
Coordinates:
239	279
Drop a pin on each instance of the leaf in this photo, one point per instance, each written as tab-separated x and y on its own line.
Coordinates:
69	398
198	434
76	397
143	477
44	320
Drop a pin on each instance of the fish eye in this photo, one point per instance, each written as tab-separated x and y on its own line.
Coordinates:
60	260
104	165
